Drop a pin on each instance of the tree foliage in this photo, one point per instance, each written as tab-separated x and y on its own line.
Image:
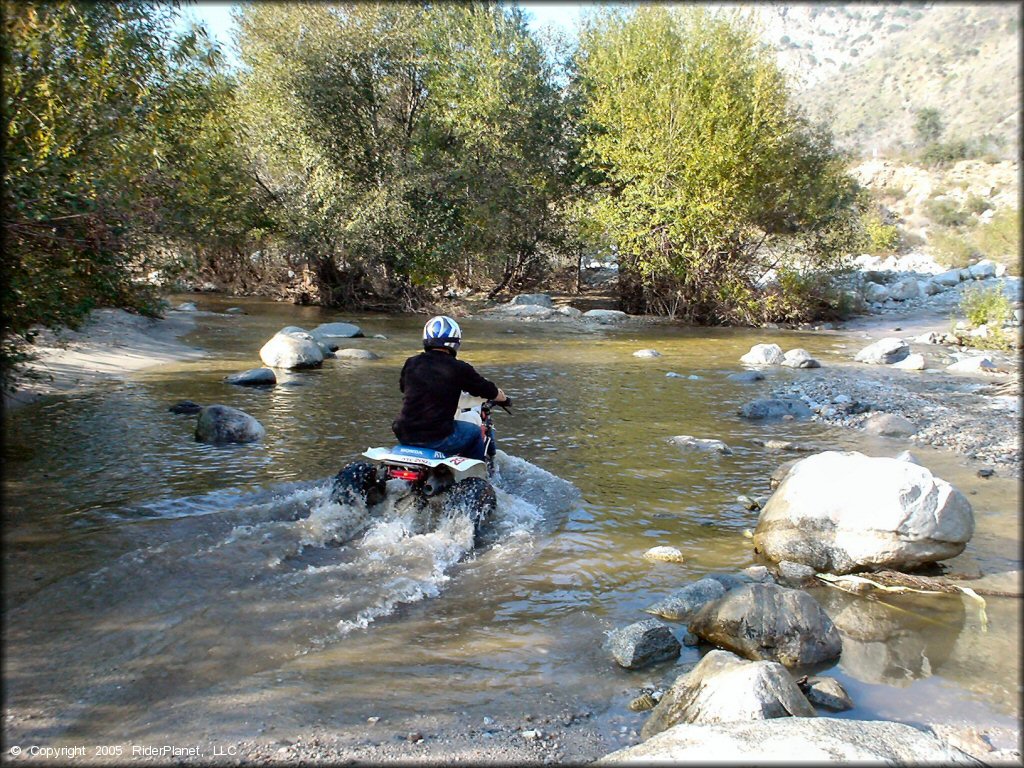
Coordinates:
710	180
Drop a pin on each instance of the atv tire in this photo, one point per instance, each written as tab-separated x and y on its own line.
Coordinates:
358	480
475	498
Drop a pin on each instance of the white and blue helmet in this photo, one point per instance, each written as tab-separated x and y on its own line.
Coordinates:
442	331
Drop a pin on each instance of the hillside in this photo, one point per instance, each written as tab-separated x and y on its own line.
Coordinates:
868	69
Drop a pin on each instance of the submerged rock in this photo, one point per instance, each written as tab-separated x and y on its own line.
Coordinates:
643	643
186	407
223	424
254	377
746	376
336	331
772	408
769	622
844	512
709	445
724	688
647	353
357	354
664	554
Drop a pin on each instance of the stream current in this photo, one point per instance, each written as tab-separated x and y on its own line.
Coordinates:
157	588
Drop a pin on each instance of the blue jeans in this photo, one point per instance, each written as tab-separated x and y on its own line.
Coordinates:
466	440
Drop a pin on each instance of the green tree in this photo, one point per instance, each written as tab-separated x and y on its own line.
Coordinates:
710	182
92	91
928	125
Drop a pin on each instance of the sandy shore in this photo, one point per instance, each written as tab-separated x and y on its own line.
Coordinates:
110	344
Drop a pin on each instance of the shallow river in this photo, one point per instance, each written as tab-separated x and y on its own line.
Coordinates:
159	589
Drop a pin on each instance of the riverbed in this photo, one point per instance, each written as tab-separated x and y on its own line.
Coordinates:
163	591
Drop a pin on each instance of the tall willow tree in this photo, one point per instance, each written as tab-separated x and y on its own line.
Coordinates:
709	182
403	143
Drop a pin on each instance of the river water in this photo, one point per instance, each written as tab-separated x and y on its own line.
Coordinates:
158	589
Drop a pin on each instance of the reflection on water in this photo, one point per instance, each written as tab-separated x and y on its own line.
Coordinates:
153	583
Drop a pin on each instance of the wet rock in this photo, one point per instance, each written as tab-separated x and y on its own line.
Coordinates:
664	555
795	575
884	352
771	408
534	299
570	312
649	353
186	407
746	376
844	512
771	623
683	603
223	424
709	445
912	362
799	358
828	693
764	354
234	311
329	331
356	354
642	644
724	688
889	425
785	445
780	473
186	306
814	739
254	377
986	472
292	348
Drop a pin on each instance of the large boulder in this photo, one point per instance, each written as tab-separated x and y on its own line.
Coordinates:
907	288
775	408
764	354
884	352
292	348
643	643
889	425
724	688
770	623
948	279
794	740
223	424
525	311
983	270
875	293
536	299
842	512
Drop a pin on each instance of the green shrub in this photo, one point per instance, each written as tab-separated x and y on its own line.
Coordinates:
882	237
951	248
945	212
982	305
940	153
977	204
999	239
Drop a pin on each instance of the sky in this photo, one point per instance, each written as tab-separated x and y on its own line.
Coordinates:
217	18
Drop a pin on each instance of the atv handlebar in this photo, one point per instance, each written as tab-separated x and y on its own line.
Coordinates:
505	404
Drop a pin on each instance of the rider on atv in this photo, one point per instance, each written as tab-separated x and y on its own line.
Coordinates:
432	382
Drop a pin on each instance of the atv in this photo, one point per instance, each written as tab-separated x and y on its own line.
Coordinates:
432	481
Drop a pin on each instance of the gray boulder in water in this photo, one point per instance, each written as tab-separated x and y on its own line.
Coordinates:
843	512
724	688
771	623
186	407
884	352
764	354
223	424
254	377
292	348
771	408
789	740
329	331
356	354
683	603
643	643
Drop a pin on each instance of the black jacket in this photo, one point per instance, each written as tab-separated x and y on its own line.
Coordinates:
432	382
